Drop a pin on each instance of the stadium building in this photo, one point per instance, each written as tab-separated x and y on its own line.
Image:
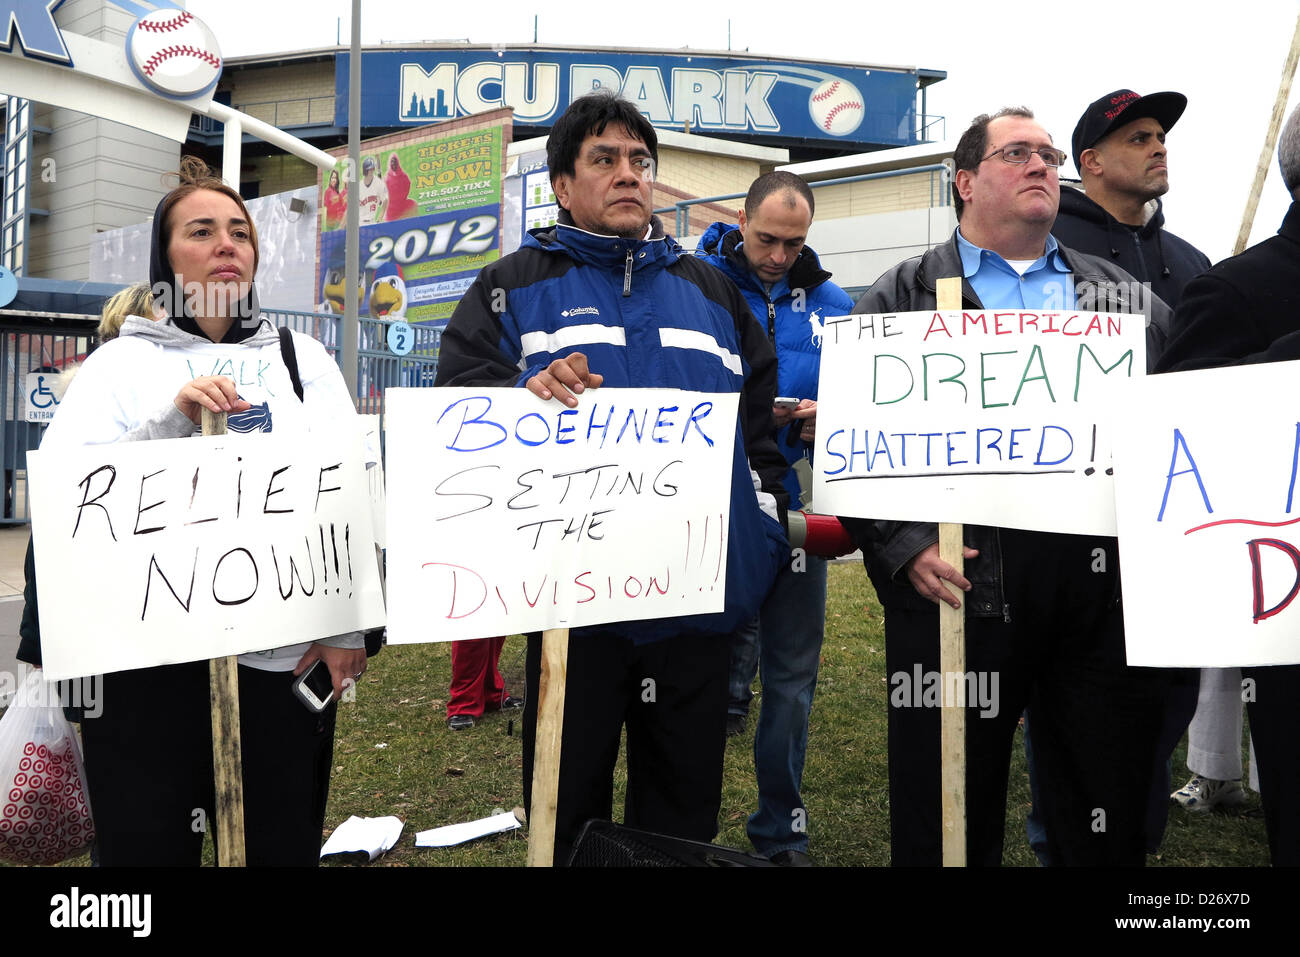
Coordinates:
79	189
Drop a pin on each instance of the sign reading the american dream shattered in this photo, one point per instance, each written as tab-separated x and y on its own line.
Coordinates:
509	514
988	417
176	550
1209	517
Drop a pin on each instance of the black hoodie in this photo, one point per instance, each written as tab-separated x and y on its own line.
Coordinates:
1149	252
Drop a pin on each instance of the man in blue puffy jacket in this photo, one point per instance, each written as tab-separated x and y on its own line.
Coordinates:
784	284
604	297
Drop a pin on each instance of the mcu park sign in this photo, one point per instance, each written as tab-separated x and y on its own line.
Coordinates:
777	100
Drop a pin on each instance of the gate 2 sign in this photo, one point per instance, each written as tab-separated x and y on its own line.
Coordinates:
401	338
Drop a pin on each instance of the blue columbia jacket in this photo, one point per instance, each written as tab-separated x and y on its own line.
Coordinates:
793	313
646	315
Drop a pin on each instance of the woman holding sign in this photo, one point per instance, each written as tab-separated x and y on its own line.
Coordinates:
149	753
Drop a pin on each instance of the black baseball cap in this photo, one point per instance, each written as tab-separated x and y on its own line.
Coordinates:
1123	106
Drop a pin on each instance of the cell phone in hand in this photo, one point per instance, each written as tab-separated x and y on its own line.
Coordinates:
785	402
315	687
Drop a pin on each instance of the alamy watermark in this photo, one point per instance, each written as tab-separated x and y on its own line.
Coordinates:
1106	296
934	689
85	693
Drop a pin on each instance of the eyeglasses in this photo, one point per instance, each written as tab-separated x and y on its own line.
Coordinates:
1018	155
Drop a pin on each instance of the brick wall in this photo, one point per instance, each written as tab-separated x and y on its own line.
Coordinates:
699	174
276	174
913	191
291	94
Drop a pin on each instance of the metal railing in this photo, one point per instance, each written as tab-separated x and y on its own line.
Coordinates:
60	346
284	114
377	366
938	172
23	353
926	125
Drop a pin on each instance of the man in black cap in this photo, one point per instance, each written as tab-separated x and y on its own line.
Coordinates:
1119	147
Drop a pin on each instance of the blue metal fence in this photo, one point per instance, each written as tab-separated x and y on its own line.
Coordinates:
36	345
42	350
377	367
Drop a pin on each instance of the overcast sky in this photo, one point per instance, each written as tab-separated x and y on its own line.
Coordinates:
1226	58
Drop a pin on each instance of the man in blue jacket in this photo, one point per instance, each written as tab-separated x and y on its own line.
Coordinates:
606	298
784	284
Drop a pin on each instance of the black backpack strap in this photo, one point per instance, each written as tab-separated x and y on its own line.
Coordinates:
290	358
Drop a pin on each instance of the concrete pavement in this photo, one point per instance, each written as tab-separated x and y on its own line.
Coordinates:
13	550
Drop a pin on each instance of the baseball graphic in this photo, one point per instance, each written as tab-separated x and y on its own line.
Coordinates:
174	53
836	107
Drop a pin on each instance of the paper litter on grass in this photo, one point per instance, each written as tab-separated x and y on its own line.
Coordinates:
371	835
454	834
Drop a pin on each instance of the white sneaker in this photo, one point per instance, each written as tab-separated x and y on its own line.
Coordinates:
1202	794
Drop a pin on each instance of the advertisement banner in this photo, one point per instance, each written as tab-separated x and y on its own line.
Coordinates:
430	220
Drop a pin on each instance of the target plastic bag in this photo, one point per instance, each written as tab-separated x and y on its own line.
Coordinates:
44	810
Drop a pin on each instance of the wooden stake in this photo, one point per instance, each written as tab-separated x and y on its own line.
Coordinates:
1270	140
952	661
227	761
546	747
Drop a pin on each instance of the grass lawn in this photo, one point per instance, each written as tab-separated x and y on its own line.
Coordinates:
395	755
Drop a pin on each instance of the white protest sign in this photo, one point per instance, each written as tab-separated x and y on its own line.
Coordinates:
176	550
1209	517
507	513
987	417
370	426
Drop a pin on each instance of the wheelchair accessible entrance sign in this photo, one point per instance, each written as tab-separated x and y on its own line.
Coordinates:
38	388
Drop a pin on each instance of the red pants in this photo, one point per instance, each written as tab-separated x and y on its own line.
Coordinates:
476	683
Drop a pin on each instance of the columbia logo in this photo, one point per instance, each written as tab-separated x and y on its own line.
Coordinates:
581	311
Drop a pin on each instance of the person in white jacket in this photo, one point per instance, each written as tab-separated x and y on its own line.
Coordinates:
148	755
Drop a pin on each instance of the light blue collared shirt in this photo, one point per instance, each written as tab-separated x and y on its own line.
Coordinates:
1047	284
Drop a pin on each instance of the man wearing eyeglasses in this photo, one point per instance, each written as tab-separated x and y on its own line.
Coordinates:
606	298
1042	609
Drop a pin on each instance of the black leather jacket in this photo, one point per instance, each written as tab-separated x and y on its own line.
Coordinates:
887	546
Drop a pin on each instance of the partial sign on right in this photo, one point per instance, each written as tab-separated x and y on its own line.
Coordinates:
1209	517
